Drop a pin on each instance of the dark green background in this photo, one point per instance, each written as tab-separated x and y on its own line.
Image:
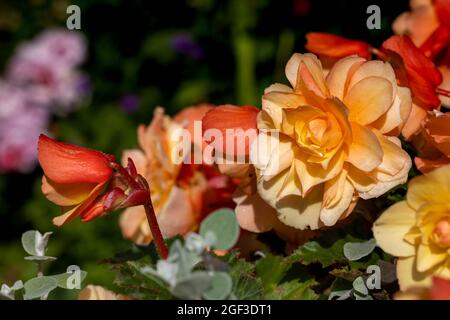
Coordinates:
246	45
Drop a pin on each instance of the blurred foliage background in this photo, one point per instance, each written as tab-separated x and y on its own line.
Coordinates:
148	53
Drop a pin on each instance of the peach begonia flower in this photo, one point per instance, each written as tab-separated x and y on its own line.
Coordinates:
334	144
440	290
433	143
417	230
181	193
334	140
93	292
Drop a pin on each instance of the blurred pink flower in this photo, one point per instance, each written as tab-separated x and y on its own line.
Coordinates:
21	122
46	67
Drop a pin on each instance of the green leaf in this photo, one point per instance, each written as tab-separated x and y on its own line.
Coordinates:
132	279
293	290
223	224
245	285
271	270
315	252
62	278
220	288
341	289
356	250
193	286
39	286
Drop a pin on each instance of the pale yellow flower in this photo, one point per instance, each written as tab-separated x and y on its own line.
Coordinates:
417	230
336	139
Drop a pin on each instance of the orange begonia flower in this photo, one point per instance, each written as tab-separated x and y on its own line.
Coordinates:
422	76
83	182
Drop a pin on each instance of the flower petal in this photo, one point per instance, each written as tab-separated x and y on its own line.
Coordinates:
134	226
414	121
392	171
177	217
67	163
66	195
314	67
331	214
72	212
232	124
409	277
365	152
253	213
398	113
337	78
429	256
431	187
369	99
392	226
302	212
334	46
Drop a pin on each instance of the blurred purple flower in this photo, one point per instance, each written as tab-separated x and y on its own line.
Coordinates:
183	43
129	103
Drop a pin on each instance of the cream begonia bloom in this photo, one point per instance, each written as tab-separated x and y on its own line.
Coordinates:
334	139
417	230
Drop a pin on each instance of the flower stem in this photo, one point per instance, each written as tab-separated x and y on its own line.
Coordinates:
156	232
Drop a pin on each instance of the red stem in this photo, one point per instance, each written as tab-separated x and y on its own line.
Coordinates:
156	231
443	92
149	211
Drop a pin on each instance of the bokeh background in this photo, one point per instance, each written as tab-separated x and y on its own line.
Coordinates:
142	54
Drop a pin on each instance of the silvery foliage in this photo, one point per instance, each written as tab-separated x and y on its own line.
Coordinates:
179	271
35	244
9	293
